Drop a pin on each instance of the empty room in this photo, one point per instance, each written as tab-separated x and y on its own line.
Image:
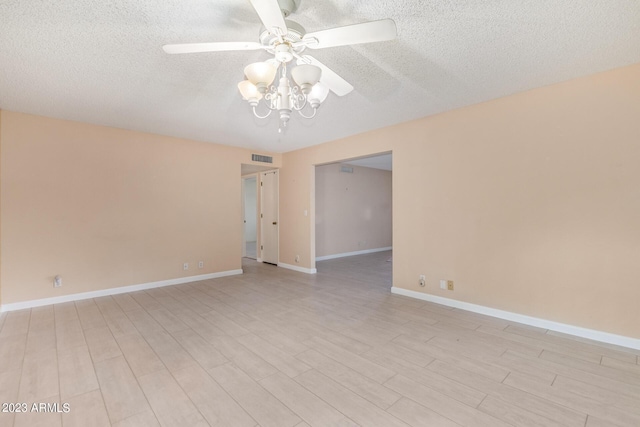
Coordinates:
298	213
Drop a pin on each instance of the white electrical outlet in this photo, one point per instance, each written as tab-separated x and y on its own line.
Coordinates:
57	282
422	280
200	264
443	284
185	266
297	258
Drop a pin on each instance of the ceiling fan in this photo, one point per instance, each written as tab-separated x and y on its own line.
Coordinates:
286	40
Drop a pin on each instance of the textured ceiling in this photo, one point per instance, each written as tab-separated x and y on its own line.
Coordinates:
102	61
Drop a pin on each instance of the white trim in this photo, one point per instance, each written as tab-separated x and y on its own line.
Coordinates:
578	331
114	291
346	254
296	268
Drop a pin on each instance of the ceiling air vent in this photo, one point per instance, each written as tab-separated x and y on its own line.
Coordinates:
261	158
346	169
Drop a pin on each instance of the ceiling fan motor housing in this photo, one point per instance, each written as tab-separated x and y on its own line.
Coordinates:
295	32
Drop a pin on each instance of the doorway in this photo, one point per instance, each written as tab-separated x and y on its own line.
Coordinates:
353	214
250	216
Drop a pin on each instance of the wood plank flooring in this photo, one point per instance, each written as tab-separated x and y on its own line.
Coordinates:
279	348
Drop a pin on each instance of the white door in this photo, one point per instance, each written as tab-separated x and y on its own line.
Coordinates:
250	217
269	216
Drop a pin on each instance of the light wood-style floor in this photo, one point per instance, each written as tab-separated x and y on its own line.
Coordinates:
279	348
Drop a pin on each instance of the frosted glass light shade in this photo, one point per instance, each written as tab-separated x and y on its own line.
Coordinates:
318	93
249	91
260	73
306	74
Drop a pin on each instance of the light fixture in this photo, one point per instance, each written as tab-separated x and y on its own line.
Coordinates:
261	74
249	92
283	96
317	95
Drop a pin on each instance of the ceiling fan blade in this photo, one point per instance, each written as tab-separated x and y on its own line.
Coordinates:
367	32
329	78
270	15
211	47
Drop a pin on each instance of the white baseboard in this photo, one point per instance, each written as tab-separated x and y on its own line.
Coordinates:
114	291
346	254
296	268
578	331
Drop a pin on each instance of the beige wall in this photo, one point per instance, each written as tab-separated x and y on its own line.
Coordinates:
353	210
105	208
530	203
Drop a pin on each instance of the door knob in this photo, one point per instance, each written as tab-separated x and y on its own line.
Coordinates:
275	223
